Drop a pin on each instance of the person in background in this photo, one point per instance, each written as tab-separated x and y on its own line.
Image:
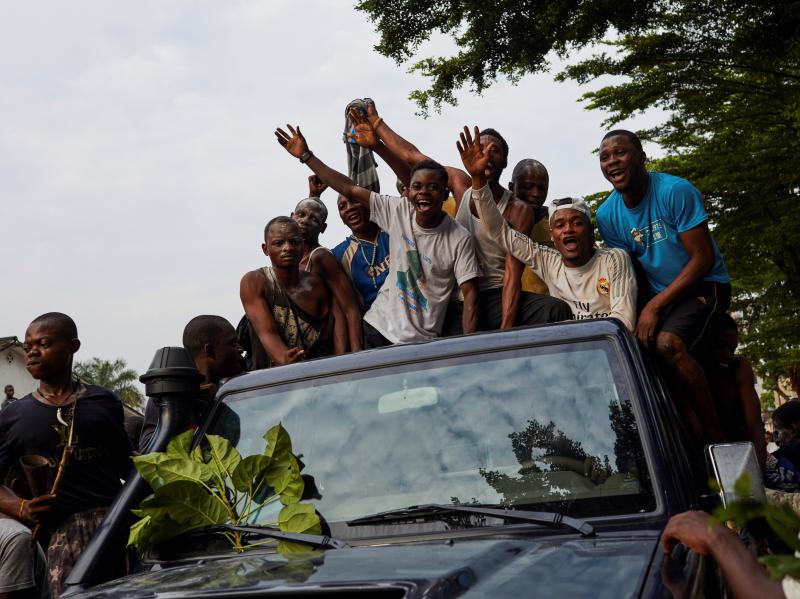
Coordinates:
63	412
782	469
9	398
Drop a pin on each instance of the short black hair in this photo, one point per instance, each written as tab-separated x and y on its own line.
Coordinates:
528	163
500	138
632	137
788	413
59	321
279	220
319	203
203	329
430	165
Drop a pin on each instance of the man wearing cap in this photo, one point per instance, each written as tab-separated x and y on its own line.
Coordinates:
594	282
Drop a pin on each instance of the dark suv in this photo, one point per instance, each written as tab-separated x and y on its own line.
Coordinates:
541	461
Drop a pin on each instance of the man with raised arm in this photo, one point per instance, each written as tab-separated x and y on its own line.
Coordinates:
595	282
503	304
312	215
289	311
660	219
429	252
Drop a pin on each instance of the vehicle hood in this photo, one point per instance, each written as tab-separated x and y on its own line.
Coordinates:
554	567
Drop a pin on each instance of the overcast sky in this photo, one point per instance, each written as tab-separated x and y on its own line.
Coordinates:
138	164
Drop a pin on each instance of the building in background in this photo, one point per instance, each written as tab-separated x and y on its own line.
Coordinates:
12	367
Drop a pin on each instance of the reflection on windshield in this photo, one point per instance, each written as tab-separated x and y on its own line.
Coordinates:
541	427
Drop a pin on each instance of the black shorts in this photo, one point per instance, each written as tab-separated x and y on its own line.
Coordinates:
692	318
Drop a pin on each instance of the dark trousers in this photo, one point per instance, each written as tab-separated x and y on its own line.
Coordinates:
373	337
533	308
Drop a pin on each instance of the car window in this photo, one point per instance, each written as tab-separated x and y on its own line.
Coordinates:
545	428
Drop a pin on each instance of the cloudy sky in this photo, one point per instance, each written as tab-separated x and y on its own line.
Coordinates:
138	164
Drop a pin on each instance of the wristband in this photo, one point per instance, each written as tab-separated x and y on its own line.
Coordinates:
21	507
306	156
377	123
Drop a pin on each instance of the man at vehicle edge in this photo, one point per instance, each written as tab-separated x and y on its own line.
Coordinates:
364	255
211	341
289	311
595	282
312	215
660	219
40	424
429	251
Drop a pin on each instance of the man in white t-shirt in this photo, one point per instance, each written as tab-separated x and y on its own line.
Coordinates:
429	253
595	282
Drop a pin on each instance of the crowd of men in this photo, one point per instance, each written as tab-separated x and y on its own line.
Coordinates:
455	251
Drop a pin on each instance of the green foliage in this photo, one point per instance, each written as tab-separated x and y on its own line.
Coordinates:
725	72
781	518
212	484
114	375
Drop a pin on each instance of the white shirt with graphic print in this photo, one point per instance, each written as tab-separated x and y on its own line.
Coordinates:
424	267
603	287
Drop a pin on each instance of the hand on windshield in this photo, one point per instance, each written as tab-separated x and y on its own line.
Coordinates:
474	156
291	355
295	143
693	529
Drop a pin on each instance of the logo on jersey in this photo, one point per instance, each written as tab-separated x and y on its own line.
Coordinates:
603	286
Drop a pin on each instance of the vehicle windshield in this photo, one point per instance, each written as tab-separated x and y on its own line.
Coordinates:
546	428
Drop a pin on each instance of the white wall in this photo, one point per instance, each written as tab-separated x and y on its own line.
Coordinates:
13	372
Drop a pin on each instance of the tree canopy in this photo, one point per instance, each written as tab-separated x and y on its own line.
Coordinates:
727	74
114	375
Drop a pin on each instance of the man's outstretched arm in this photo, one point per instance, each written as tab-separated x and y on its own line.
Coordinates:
366	137
296	145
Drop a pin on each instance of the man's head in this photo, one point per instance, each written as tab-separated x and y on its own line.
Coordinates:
355	216
530	182
786	420
427	191
499	156
50	342
212	342
572	230
283	242
401	188
622	160
9	391
312	215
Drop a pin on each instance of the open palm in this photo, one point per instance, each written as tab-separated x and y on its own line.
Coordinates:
474	155
294	142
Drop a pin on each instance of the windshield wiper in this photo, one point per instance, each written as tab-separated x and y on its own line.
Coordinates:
433	510
268	532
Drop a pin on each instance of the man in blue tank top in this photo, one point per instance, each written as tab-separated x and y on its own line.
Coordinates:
660	220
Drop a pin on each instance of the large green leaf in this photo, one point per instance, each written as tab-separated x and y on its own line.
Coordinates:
284	476
147	466
180	445
223	457
279	444
186	503
249	473
172	470
300	517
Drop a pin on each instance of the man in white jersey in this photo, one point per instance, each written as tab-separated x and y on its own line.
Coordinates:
595	282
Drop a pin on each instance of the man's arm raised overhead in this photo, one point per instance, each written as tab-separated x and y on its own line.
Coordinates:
366	137
296	145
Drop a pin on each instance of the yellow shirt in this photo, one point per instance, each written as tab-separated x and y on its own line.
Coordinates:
530	280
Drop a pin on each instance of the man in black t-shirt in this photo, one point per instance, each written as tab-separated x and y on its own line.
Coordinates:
63	412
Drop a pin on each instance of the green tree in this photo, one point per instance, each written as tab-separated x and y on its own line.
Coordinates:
114	375
725	72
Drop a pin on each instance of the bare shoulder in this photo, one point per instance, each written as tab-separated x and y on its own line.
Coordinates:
253	280
324	260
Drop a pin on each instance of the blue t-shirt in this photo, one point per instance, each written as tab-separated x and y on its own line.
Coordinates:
650	230
366	263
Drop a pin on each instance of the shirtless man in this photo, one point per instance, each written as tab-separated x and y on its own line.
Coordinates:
430	253
503	304
311	215
595	282
289	311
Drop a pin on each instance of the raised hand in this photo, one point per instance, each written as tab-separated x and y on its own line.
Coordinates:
474	155
295	143
372	112
365	135
316	186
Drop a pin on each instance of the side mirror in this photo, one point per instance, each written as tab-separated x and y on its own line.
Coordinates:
728	462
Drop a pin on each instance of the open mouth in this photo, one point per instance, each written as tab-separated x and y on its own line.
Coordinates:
424	205
354	219
616	175
570	243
